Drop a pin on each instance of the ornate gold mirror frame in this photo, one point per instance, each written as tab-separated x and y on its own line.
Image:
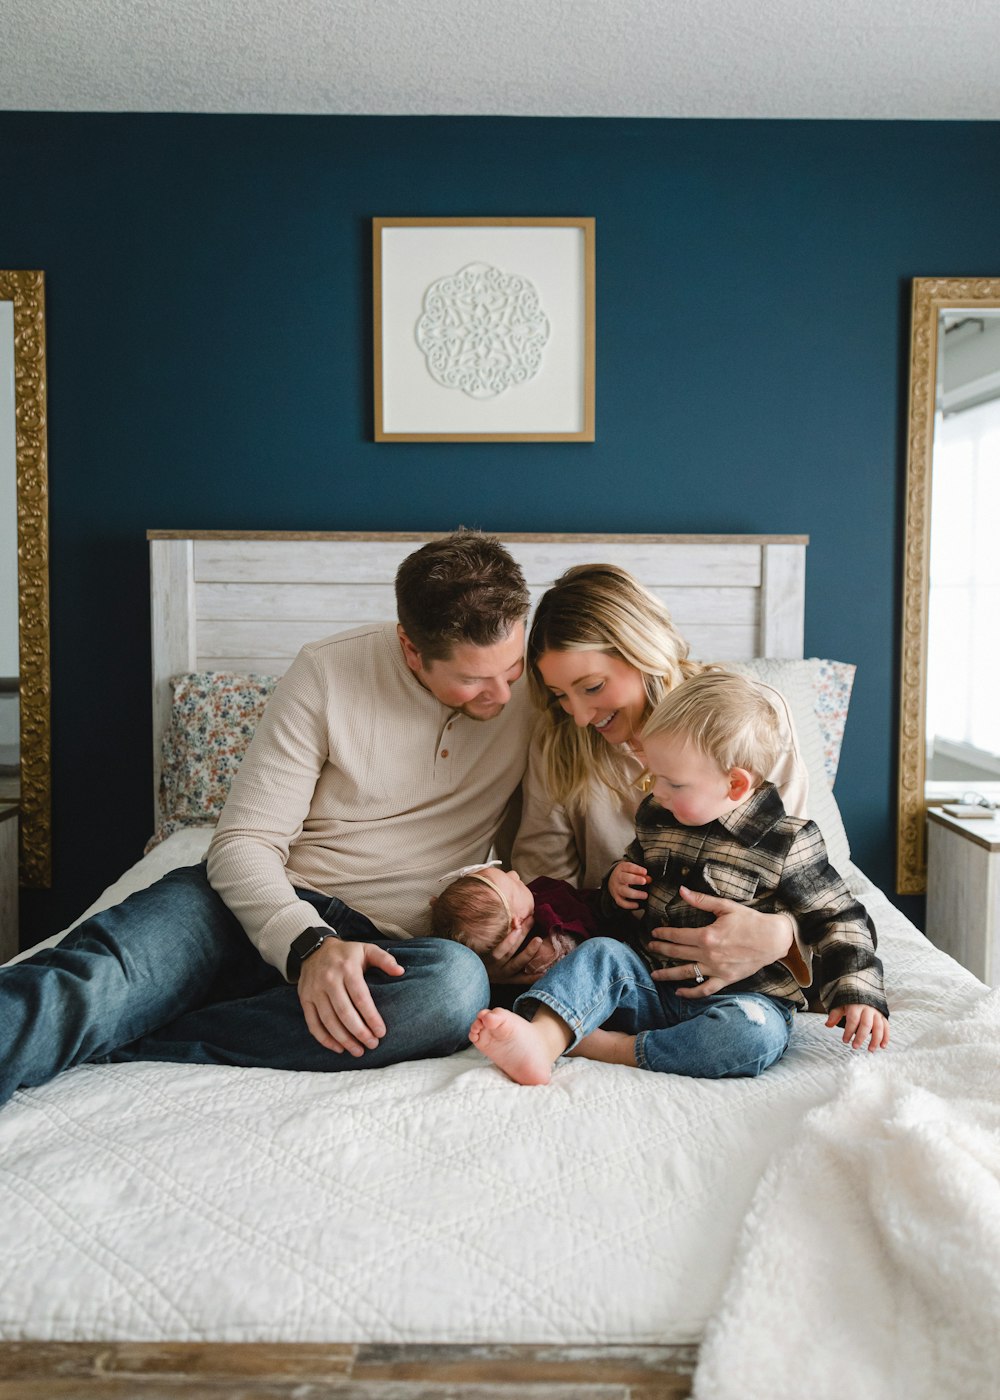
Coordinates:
27	292
931	296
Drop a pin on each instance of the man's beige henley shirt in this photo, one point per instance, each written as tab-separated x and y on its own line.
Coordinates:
360	783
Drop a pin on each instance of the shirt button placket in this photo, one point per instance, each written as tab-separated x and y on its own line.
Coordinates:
442	762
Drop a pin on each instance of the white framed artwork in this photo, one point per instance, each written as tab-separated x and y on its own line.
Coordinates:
484	329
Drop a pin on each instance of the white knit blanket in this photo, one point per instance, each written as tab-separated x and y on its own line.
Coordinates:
869	1261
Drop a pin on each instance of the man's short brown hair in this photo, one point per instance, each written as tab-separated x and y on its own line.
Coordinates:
462	588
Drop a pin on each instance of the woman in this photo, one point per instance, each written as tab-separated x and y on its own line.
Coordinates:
602	652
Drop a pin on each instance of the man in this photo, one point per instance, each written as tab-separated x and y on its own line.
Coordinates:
385	760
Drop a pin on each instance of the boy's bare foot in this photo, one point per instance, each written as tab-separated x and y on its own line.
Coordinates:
519	1047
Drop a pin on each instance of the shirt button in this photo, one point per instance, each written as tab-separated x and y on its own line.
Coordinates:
444	753
450	723
685	870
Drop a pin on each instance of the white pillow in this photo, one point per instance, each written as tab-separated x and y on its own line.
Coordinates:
795	680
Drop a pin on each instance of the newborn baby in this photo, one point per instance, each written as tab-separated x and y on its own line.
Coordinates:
485	904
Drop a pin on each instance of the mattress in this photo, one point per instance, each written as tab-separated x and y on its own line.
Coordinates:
427	1202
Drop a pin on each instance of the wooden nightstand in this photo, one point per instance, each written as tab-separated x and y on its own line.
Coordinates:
963	890
8	880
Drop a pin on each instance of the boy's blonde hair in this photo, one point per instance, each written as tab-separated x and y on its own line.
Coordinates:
726	717
471	911
599	607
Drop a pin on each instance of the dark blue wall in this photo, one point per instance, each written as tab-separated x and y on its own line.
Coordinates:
209	353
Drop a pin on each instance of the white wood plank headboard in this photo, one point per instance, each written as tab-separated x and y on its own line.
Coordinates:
247	601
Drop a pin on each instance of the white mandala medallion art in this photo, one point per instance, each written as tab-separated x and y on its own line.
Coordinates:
482	331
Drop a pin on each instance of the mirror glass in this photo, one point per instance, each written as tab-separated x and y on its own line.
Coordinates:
950	691
25	732
963	612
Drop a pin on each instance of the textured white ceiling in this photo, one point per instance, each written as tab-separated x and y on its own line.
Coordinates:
918	59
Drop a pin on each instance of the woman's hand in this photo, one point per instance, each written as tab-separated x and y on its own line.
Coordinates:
508	961
739	943
555	946
625	884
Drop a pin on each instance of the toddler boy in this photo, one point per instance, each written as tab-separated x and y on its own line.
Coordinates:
712	823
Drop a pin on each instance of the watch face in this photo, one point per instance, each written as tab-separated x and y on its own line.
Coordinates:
302	946
308	942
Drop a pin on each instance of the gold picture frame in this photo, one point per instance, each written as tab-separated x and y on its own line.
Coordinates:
26	290
484	329
931	296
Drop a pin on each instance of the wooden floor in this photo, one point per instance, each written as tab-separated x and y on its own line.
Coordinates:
263	1371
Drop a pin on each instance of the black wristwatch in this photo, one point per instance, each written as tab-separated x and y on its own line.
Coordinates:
302	947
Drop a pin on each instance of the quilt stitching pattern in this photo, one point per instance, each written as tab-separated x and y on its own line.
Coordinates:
442	1203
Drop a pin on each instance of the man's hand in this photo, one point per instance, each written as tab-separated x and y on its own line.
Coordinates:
861	1024
336	1000
738	944
625	884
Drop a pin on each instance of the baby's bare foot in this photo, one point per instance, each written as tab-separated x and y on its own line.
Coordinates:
514	1045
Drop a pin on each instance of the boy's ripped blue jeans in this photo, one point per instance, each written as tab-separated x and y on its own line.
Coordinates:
721	1036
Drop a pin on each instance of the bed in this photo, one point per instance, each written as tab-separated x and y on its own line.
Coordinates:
611	1224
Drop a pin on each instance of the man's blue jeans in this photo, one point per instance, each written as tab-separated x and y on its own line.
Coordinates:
726	1035
170	975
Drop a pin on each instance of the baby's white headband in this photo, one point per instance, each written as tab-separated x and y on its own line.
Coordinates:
468	870
475	872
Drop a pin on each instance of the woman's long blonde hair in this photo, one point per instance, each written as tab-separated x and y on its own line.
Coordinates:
599	607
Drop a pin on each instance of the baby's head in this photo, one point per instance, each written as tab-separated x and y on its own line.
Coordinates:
480	909
709	745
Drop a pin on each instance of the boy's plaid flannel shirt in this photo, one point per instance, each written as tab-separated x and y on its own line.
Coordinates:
759	856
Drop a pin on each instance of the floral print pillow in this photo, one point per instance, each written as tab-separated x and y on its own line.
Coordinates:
832	685
213	718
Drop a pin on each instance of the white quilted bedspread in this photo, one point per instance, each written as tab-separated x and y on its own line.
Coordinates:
433	1201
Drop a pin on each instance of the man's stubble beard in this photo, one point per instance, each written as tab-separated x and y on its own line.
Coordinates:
481	719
